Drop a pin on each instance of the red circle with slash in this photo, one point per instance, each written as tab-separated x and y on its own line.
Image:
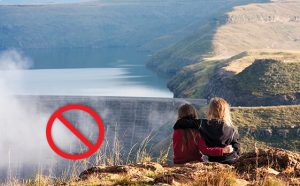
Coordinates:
58	114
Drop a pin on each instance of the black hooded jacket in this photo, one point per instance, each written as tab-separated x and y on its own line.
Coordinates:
216	134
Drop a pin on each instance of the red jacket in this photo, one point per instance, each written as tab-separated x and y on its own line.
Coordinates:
192	149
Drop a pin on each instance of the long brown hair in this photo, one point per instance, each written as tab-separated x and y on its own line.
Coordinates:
219	109
187	110
184	111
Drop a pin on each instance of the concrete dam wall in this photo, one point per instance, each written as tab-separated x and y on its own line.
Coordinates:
128	119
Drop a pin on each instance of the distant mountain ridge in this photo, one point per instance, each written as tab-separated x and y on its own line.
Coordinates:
146	25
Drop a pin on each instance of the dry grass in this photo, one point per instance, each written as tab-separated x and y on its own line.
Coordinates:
271	181
266	116
238	63
224	178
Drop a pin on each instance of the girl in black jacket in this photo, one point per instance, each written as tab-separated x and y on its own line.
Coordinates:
217	130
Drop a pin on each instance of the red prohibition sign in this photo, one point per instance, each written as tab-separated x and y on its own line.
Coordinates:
58	114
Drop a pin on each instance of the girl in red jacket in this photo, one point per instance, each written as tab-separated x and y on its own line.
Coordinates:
188	145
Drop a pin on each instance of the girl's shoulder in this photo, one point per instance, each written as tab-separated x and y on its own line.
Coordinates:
186	123
179	133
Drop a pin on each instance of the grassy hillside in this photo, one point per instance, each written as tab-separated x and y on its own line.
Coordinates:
198	45
269	77
257	77
246	34
192	80
266	116
268	126
169	60
271	25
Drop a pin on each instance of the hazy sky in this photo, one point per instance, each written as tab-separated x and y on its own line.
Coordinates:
38	1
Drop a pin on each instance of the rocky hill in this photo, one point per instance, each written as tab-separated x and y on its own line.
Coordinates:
264	167
258	77
199	65
264	78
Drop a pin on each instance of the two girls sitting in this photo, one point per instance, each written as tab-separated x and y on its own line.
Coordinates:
215	136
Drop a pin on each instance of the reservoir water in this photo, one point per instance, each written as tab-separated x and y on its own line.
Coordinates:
83	76
89	71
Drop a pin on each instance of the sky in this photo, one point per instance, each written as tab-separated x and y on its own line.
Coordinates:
23	2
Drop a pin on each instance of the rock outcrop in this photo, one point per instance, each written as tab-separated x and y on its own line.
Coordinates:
281	163
252	168
265	82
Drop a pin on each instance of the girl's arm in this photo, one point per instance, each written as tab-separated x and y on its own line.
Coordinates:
215	151
236	144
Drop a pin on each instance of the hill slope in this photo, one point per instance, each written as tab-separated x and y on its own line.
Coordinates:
258	27
260	78
276	126
273	25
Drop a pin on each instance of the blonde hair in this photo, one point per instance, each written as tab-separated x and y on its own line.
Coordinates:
187	110
219	109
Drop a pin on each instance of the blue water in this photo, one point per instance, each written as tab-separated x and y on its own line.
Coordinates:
86	71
